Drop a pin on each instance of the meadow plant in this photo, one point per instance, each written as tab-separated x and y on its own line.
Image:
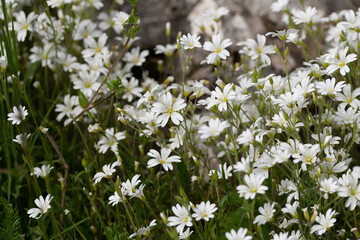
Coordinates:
123	148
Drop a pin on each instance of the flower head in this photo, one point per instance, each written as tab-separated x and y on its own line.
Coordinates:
217	47
43	205
239	235
204	211
252	187
166	108
43	171
325	222
19	113
181	219
162	158
190	42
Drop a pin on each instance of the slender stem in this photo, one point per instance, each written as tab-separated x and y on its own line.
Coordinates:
66	167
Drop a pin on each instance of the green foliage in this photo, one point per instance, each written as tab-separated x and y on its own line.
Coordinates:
10	225
83	101
116	87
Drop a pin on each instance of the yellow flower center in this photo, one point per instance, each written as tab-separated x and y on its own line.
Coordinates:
253	189
98	49
88	85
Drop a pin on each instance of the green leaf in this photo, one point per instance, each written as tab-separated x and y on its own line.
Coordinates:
83	100
184	176
10	225
29	74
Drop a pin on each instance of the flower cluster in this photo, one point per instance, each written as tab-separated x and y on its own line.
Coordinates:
263	151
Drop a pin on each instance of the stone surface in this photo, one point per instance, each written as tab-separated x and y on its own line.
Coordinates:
246	18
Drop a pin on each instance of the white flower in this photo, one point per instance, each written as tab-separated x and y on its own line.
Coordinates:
221	98
115	199
217	47
110	140
162	158
279	5
239	235
328	185
325	222
223	170
267	213
216	14
204	211
281	236
186	234
87	82
144	231
55	3
350	188
166	108
131	88
308	17
307	155
19	113
22	139
95	48
136	58
168	49
68	62
340	62
86	29
107	172
349	97
190	42
347	116
291	209
252	187
43	171
70	108
23	24
129	187
215	128
181	218
43	206
119	21
257	49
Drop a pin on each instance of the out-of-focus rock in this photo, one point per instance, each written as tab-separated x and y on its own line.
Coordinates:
155	13
246	19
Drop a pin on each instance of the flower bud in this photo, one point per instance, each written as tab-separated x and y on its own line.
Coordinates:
313	216
306	214
168	29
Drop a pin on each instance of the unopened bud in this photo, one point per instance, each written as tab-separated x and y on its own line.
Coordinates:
163	218
306	214
220	83
313	216
168	29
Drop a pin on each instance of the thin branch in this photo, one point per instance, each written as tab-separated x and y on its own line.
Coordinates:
66	167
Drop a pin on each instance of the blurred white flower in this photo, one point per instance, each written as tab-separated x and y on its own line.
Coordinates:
43	171
239	235
190	42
